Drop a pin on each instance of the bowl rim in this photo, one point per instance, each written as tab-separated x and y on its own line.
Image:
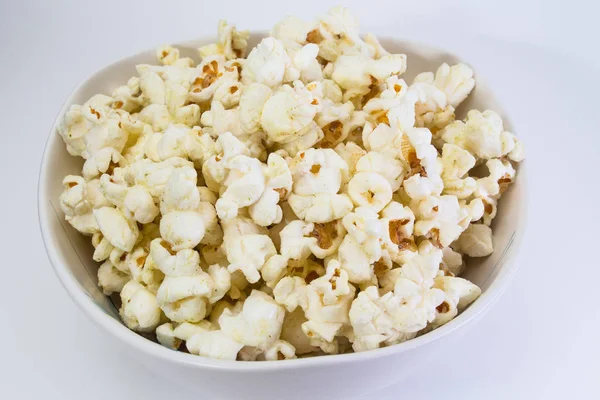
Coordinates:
136	341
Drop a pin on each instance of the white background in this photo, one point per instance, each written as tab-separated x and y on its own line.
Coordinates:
541	340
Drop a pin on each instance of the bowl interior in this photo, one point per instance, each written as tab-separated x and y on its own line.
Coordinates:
71	253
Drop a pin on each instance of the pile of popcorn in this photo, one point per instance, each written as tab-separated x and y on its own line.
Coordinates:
301	199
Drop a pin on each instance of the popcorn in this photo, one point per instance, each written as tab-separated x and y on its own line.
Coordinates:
325	302
187	330
156	115
307	269
303	200
185	262
392	102
214	168
387	280
296	241
92	127
128	97
166	336
290	292
388	167
383	139
183	298
292	32
424	177
322	335
459	293
475	241
153	175
424	266
246	247
180	191
328	237
373	320
252	101
432	110
369	189
456	82
139	134
182	229
228	94
355	72
337	122
306	63
152	87
266	210
118	258
452	262
167	55
280	350
102	247
222	120
351	73
176	288
317	171
398	315
113	190
287	112
332	312
252	253
375	47
266	63
244	185
140	204
357	259
257	324
171	143
186	290
214	344
209	75
456	164
222	282
501	176
461	290
139	308
232	43
439	218
100	163
337	34
489	189
440	95
333	284
110	279
188	115
144	270
76	205
482	134
310	135
119	230
213	234
320	208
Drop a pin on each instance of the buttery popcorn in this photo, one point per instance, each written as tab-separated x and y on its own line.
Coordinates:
288	200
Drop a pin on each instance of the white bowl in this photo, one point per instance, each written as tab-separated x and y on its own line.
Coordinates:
338	375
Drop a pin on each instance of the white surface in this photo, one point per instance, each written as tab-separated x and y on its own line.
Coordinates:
539	340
